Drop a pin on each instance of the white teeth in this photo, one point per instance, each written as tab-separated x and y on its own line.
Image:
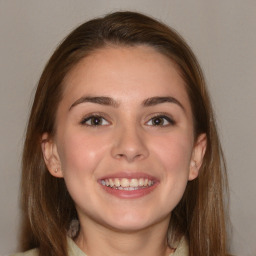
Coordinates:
141	182
126	184
117	183
130	188
134	183
111	183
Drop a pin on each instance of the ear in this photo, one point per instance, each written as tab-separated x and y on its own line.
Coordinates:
51	156
197	156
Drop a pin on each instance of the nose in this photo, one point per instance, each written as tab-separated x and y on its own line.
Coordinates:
130	145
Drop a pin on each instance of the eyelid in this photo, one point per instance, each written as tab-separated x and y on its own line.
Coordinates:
93	115
165	116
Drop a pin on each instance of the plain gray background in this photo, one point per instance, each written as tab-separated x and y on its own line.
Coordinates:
222	34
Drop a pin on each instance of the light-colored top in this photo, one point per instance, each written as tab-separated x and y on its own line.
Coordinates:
74	250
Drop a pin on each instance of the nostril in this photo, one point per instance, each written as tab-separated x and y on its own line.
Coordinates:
129	157
120	155
129	147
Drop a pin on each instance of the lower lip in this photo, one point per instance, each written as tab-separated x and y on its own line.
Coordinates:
130	194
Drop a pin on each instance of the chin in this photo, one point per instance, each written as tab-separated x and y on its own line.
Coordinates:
128	227
131	222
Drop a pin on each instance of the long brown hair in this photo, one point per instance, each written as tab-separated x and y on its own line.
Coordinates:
47	206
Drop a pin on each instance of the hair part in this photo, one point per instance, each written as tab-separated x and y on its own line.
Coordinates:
46	204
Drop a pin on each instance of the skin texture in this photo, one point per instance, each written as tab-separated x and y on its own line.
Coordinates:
127	142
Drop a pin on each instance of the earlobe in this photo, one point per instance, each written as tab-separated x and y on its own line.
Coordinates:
51	156
197	156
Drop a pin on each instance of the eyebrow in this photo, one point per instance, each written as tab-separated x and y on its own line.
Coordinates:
107	101
158	100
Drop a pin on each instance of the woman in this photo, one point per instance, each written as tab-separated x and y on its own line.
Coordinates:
122	155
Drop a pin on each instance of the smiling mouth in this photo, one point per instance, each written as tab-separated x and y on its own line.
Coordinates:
127	184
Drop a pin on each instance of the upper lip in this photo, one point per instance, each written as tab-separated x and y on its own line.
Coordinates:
129	175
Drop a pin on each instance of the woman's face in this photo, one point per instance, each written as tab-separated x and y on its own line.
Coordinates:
124	142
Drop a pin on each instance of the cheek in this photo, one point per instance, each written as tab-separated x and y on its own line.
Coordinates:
80	153
80	156
172	155
174	152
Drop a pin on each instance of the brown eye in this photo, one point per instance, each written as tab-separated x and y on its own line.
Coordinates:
160	121
95	121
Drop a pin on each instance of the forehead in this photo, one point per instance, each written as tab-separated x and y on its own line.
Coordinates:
125	72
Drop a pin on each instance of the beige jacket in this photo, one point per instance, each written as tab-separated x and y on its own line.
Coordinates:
74	250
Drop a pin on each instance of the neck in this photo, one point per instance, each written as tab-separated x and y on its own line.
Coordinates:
97	240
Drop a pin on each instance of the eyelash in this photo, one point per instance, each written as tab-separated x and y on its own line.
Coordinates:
162	117
166	118
91	117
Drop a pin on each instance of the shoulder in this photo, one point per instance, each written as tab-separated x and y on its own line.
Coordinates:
33	252
73	250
